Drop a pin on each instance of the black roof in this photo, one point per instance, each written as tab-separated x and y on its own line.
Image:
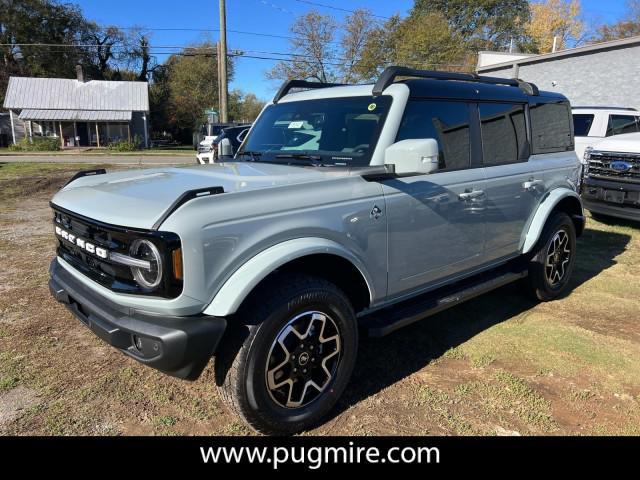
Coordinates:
451	85
462	90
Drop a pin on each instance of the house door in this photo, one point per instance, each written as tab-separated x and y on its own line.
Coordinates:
83	132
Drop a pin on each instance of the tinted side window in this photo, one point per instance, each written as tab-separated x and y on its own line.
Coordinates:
504	133
446	122
619	124
582	124
551	127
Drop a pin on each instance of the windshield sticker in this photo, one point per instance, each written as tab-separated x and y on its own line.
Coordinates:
296	124
372	107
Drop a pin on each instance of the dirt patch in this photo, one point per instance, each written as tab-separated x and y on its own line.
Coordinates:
14	402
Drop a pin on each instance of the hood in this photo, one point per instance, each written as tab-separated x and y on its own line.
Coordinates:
138	198
626	143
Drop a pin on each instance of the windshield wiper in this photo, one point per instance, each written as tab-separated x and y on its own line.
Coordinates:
251	154
312	159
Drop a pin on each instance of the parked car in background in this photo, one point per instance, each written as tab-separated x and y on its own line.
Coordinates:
348	208
611	184
593	124
208	133
212	151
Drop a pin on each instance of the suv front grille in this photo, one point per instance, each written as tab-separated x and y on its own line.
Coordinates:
111	275
615	165
114	239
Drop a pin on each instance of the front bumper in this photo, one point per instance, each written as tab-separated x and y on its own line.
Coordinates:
594	198
177	346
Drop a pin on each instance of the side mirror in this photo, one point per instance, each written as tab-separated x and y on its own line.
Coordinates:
242	135
413	156
225	149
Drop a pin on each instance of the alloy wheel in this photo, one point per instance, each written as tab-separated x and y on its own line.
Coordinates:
303	359
558	256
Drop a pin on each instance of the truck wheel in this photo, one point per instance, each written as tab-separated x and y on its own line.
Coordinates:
551	266
295	355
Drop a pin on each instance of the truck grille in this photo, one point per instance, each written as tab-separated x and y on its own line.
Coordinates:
615	165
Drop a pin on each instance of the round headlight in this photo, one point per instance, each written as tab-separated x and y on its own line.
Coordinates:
146	250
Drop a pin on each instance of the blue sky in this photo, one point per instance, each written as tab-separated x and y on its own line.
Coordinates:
258	16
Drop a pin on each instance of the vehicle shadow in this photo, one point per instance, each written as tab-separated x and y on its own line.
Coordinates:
384	361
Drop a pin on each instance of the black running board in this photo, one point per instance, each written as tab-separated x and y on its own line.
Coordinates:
383	322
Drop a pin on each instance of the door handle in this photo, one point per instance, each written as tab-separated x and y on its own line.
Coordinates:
532	185
470	195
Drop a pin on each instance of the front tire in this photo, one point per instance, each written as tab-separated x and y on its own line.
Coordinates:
554	257
295	355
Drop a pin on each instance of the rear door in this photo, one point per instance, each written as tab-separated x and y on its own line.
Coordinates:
512	185
436	221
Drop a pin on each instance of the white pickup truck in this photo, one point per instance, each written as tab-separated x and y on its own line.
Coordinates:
612	177
593	124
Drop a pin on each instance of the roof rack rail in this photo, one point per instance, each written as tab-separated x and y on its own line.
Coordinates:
605	107
291	84
391	73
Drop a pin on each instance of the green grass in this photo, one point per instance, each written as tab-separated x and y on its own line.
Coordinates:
7	383
12	169
165	421
178	151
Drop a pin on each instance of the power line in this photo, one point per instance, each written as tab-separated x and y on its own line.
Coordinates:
159	49
213	30
260	55
339	9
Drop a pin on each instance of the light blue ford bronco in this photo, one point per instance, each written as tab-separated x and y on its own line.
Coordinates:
347	209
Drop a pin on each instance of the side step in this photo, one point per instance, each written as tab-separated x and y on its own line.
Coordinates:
383	322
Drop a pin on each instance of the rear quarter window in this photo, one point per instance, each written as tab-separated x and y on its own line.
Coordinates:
551	127
582	124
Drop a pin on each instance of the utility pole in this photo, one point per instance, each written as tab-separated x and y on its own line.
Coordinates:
219	63
222	62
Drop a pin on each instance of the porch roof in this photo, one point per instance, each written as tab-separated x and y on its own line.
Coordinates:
76	115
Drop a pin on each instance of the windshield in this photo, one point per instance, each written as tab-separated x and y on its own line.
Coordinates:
334	131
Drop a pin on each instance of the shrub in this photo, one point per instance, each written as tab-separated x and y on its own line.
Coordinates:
38	144
124	146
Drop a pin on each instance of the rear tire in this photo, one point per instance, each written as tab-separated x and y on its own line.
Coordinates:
554	257
293	356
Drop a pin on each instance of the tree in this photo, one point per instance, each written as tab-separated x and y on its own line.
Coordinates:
358	27
109	43
483	24
422	40
183	87
40	21
244	107
313	54
379	49
137	55
427	41
629	27
558	19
